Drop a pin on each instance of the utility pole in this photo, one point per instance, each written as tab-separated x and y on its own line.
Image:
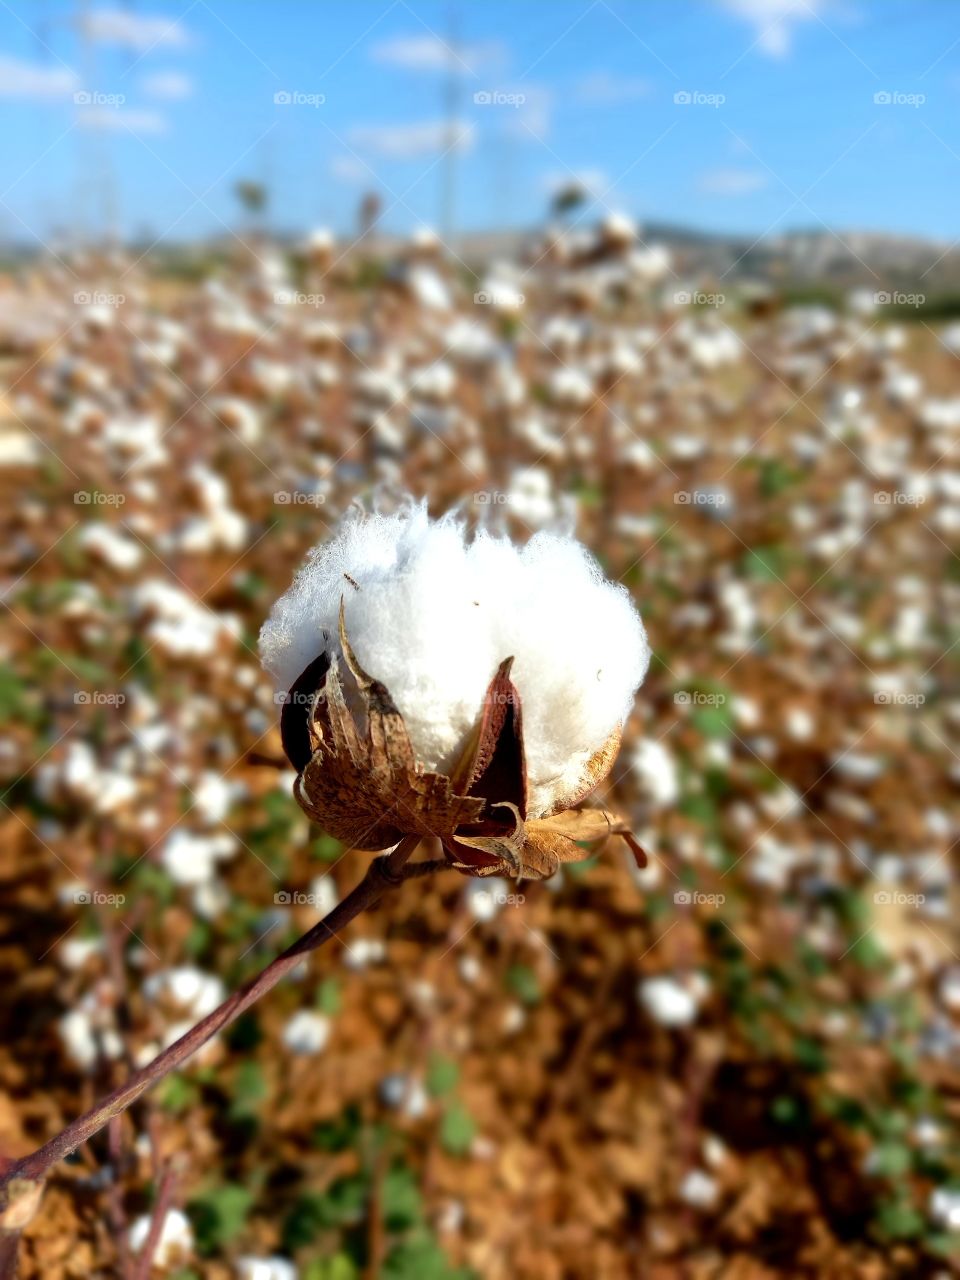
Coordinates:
452	96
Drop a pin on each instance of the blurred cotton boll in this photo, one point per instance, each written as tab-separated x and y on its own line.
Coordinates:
176	1237
306	1032
433	613
673	1002
273	1268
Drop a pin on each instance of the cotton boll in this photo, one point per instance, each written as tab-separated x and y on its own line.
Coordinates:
656	772
530	497
213	796
191	859
670	1001
432	616
571	387
699	1189
323	891
404	1093
362	952
75	952
112	546
945	1208
306	1032
84	1039
176	1237
484	898
196	992
273	1268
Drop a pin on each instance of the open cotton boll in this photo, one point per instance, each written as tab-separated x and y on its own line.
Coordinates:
434	613
176	1237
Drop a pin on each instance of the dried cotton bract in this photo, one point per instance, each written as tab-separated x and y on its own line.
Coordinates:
463	688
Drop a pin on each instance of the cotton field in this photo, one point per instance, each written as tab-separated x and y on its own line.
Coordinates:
738	1060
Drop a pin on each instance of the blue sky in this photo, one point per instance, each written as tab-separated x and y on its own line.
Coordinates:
783	129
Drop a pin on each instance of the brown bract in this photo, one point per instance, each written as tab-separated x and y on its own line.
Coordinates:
358	776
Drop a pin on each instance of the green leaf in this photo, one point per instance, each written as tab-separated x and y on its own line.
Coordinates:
765	563
340	1133
149	878
443	1075
339	1267
786	1110
328	998
457	1129
245	1034
343	1204
891	1159
249	1090
809	1054
177	1093
421	1259
713	722
197	940
326	848
898	1220
218	1215
400	1199
577	870
523	982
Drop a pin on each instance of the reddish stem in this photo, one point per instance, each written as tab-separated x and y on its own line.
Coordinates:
144	1262
382	875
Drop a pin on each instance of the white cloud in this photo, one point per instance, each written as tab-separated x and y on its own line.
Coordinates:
169	85
350	169
430	53
732	182
607	89
411	141
120	120
34	80
138	31
773	20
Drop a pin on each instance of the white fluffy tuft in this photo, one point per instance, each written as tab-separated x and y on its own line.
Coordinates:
435	615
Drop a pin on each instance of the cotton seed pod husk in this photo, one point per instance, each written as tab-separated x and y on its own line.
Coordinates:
359	778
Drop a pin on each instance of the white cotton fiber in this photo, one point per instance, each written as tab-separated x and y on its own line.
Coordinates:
434	613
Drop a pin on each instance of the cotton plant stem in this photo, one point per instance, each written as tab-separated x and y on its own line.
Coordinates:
17	1178
164	1199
